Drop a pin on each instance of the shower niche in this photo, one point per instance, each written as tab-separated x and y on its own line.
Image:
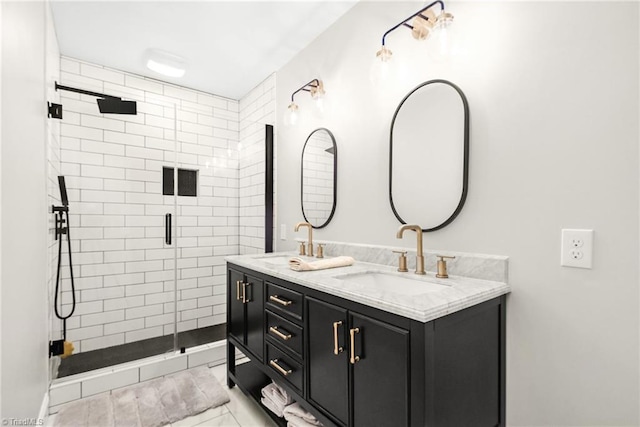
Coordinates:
187	184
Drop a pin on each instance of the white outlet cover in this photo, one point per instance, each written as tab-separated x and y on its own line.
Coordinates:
283	231
576	248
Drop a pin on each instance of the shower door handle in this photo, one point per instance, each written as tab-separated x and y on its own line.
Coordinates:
167	229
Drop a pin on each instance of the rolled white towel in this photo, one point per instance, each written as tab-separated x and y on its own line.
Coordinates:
299	422
295	413
298	264
267	390
277	395
272	406
275	398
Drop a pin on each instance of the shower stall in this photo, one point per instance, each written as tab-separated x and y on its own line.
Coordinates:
153	208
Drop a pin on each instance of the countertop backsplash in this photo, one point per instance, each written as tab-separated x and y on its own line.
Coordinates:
477	266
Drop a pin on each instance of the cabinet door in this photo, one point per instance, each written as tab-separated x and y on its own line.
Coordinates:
381	375
236	307
254	302
328	372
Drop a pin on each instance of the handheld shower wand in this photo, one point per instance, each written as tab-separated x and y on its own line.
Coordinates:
62	347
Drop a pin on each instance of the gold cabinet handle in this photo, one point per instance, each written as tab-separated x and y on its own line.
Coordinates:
238	283
353	359
280	301
336	349
244	293
279	368
279	334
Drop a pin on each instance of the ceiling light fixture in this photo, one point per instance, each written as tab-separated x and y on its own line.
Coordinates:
315	89
423	22
165	63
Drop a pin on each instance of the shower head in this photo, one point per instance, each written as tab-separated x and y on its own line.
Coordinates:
107	104
63	191
111	105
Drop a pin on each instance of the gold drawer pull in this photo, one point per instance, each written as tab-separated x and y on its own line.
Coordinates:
244	293
280	301
353	359
336	349
238	284
279	368
279	334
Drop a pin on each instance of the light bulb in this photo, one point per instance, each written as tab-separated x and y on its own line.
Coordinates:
444	20
291	118
317	90
379	72
384	54
442	36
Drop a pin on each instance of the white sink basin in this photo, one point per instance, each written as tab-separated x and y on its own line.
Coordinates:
388	282
282	259
276	260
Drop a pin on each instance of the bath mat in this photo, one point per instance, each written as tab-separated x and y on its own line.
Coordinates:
152	403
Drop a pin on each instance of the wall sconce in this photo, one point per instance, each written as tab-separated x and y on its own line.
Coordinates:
422	24
315	89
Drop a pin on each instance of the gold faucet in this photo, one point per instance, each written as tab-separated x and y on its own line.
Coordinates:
310	244
419	255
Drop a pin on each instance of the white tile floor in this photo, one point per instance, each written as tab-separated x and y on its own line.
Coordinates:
241	411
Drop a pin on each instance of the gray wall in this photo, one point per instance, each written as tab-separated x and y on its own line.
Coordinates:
23	226
553	95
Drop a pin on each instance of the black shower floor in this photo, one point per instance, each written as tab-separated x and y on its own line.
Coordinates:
96	359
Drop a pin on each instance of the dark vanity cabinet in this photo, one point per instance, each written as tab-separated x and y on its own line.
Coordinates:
245	302
369	365
284	333
354	365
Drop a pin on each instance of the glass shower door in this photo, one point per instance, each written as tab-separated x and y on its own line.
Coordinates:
123	260
207	226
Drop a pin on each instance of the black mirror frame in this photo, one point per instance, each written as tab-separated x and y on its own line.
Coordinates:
335	177
465	171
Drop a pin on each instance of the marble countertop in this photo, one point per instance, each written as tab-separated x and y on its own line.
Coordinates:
457	293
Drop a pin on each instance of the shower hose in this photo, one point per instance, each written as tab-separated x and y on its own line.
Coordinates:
60	223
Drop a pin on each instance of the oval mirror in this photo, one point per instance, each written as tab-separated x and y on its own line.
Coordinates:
429	155
319	166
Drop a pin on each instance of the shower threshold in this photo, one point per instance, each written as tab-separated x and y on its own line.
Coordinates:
104	357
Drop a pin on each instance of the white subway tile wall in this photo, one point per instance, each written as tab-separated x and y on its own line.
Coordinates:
113	166
257	108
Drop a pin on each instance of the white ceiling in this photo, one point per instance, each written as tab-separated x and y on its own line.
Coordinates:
230	46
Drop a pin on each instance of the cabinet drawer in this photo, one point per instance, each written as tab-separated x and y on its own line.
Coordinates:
285	366
284	300
285	333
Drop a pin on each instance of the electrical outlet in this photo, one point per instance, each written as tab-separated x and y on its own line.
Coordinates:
577	242
283	231
577	248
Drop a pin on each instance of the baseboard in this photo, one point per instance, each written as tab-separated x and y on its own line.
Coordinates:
44	407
